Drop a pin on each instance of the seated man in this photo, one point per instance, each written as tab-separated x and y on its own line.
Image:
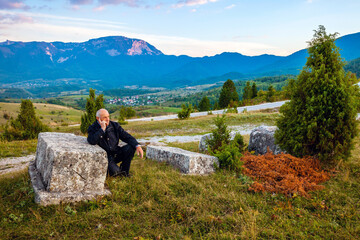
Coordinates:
106	134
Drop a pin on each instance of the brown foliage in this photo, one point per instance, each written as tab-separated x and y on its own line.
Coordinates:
284	173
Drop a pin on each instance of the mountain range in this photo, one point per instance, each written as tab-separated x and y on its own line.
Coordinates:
115	62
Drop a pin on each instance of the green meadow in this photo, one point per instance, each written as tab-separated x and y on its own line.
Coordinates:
159	202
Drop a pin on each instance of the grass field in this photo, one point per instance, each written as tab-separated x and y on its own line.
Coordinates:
160	203
50	114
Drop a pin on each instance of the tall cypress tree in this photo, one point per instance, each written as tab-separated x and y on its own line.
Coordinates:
92	105
228	93
320	119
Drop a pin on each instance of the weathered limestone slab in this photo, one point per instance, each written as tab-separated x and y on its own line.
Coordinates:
67	169
187	162
262	138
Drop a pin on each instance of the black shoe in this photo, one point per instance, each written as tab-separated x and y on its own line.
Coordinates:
122	174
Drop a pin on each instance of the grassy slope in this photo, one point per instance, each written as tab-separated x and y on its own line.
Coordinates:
159	201
52	115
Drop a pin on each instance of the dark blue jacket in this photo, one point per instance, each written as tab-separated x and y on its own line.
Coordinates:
109	140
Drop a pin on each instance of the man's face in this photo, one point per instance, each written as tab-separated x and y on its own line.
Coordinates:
104	116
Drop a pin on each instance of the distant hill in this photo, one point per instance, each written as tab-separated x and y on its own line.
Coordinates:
354	67
116	62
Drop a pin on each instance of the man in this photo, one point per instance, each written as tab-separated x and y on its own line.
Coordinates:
106	134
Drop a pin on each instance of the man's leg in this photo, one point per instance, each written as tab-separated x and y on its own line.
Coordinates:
124	155
113	168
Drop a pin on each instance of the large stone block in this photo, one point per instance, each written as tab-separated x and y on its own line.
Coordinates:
187	162
262	138
67	169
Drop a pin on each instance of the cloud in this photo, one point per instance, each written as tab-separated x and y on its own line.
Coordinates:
130	3
230	7
99	9
9	4
81	2
188	3
7	19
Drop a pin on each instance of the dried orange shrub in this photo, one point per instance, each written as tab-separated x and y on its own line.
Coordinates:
284	173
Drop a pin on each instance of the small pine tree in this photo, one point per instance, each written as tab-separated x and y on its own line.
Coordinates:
216	105
204	104
228	152
228	93
320	119
93	104
220	135
185	111
270	94
247	92
26	126
254	91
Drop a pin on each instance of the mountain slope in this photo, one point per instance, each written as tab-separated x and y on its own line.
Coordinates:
115	62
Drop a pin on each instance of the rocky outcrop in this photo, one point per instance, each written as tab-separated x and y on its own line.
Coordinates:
187	162
262	139
67	169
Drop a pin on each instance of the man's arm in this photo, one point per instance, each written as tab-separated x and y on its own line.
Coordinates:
126	137
94	135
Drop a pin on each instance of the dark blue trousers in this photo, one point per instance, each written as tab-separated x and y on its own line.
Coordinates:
124	155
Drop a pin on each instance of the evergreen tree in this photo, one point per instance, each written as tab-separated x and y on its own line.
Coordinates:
247	93
93	104
320	119
288	89
126	113
228	92
204	104
185	111
26	126
270	94
254	90
216	105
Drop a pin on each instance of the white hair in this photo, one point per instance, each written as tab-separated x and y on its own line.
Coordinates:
98	112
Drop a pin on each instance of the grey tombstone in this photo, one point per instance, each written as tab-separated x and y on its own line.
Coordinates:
67	169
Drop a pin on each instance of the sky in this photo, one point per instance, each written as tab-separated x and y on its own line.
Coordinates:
182	27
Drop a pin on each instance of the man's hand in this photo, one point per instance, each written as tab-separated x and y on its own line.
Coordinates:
139	151
103	125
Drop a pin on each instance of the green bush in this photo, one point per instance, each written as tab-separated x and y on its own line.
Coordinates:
126	113
228	152
229	157
220	135
185	111
239	142
320	119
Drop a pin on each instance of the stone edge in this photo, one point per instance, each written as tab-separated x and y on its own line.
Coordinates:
45	198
